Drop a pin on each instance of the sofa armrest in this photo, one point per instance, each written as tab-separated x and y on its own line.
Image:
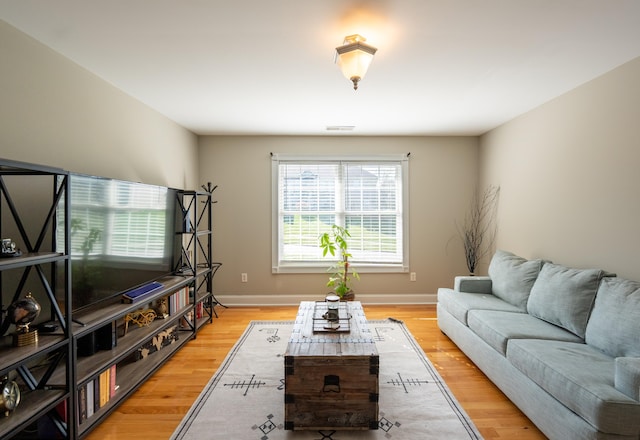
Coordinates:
472	284
627	376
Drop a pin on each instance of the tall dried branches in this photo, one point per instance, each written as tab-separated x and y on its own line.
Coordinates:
478	232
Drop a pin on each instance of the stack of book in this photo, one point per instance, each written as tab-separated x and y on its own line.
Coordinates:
178	300
96	393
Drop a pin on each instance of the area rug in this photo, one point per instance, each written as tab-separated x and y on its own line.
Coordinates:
244	400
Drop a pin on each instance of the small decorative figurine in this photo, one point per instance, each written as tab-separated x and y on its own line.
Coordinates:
8	248
141	317
161	309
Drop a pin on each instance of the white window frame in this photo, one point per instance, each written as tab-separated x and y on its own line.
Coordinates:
320	266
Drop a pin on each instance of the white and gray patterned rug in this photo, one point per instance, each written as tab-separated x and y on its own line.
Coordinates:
244	400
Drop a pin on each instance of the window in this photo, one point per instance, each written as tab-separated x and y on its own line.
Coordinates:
366	195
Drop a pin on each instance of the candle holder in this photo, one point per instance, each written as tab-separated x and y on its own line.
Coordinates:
332	315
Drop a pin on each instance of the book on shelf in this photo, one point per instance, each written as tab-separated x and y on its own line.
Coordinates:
82	403
90	398
112	385
96	394
61	410
178	300
141	292
105	383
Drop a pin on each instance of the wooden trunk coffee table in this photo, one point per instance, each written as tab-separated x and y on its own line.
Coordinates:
331	375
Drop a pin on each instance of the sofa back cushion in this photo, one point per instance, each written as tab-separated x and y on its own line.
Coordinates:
564	296
614	324
512	277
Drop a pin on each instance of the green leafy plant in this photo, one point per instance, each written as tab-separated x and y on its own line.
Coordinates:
330	243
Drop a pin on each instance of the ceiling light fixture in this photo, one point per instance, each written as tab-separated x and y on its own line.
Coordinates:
354	57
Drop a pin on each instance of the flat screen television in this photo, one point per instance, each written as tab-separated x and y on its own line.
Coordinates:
122	236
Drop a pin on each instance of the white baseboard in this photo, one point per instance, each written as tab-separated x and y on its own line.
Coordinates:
291	300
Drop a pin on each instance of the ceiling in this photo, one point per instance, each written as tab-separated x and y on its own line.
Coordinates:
443	67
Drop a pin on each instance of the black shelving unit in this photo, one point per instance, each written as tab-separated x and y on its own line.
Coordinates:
106	377
196	238
39	265
66	389
138	351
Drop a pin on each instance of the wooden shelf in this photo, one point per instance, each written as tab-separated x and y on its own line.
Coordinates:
32	364
200	322
201	271
129	378
70	372
95	318
11	357
33	405
201	296
30	259
89	366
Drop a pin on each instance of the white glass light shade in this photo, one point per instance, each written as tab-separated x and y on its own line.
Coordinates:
354	58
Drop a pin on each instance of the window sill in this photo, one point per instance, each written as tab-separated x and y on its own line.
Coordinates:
364	268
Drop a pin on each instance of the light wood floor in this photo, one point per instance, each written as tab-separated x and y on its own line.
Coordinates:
157	408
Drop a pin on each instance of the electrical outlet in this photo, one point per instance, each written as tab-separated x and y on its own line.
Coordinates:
244	277
412	276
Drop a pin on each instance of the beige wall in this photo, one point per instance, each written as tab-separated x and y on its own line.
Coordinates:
62	115
568	171
442	171
55	113
52	112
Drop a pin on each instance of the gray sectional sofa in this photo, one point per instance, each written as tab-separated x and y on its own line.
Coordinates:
562	343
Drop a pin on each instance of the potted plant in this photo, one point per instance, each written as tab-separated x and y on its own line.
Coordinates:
330	242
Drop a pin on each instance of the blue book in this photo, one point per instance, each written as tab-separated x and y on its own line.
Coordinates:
141	292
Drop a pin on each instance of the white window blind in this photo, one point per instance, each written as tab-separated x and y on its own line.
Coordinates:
366	195
129	220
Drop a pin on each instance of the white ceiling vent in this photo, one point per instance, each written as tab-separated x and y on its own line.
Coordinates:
340	127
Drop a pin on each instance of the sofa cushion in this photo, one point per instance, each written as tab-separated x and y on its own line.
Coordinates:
580	377
496	328
627	377
564	296
614	324
458	304
512	277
